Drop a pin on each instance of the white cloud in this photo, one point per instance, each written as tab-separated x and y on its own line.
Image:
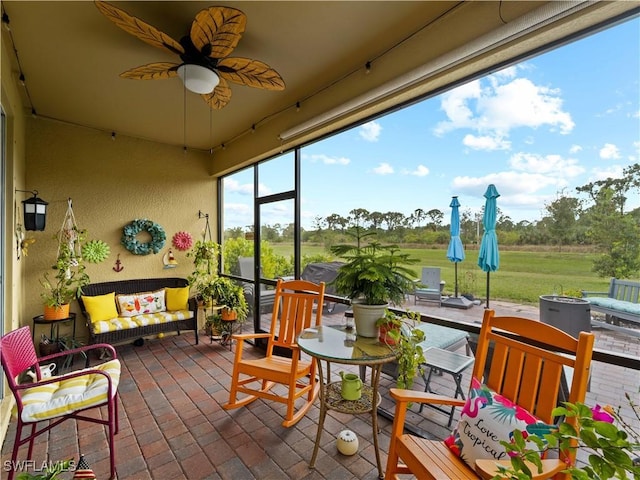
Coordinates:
370	131
486	142
231	185
420	171
546	164
327	160
575	149
518	190
454	104
240	209
383	169
614	171
501	107
609	152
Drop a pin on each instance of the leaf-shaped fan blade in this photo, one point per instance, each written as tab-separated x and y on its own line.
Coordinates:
219	97
152	71
252	73
216	31
140	29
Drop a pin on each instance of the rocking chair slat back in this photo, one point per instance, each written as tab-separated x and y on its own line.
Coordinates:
293	309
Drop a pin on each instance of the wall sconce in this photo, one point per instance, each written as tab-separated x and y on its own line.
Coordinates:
35	211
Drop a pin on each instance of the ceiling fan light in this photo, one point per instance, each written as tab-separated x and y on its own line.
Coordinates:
198	79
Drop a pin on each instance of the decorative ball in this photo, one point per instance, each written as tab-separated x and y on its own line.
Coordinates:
347	442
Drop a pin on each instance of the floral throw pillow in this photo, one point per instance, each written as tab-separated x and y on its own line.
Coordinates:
140	303
487	418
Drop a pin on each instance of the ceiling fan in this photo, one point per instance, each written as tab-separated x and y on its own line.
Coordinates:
206	66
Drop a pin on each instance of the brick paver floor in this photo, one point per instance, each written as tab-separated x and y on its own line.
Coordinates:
172	425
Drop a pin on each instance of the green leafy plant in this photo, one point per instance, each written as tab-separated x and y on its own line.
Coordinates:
205	268
228	293
375	274
613	444
404	338
70	276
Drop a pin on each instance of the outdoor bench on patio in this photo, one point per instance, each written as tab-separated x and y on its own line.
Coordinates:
131	309
621	302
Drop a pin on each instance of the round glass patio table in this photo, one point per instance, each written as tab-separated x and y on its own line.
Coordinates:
339	345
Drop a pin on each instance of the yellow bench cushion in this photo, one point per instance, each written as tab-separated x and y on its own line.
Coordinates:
124	323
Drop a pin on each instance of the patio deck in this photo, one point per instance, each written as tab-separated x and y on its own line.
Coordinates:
173	427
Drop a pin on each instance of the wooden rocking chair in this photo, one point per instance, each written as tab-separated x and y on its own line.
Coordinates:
292	313
521	369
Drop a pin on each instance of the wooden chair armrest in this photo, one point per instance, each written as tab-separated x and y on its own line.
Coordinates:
410	396
249	336
487	468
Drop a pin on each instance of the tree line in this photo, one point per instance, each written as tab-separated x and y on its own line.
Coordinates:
599	219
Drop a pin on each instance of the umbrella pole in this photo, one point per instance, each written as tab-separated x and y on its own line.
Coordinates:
456	275
487	290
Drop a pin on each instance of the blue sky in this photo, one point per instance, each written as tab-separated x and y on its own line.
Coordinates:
536	130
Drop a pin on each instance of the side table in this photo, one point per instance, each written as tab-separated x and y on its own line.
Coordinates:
39	320
445	361
344	347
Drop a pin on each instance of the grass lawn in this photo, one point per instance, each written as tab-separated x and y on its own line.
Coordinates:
521	278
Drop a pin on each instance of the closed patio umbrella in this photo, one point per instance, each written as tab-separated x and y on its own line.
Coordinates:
455	253
489	256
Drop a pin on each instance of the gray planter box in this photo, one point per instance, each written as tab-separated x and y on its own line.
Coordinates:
569	314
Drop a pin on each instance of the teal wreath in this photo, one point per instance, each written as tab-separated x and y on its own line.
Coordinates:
129	233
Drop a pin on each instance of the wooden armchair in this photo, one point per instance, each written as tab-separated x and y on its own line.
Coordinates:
293	308
523	365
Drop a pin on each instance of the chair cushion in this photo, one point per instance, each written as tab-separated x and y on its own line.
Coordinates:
177	298
485	420
70	395
100	307
612	303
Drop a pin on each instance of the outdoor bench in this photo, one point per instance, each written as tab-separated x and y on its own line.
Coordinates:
131	309
621	302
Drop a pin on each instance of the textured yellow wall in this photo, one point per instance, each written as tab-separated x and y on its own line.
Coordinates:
111	183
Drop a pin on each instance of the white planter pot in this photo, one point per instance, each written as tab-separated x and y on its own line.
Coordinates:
365	317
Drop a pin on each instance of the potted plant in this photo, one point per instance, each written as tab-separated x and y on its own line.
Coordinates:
401	334
612	442
205	269
230	296
373	276
66	285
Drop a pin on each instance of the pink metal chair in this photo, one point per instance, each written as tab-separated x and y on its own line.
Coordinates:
61	397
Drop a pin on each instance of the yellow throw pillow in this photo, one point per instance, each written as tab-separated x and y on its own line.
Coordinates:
177	298
101	307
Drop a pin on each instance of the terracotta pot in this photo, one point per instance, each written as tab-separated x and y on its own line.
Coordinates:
56	313
383	337
228	315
